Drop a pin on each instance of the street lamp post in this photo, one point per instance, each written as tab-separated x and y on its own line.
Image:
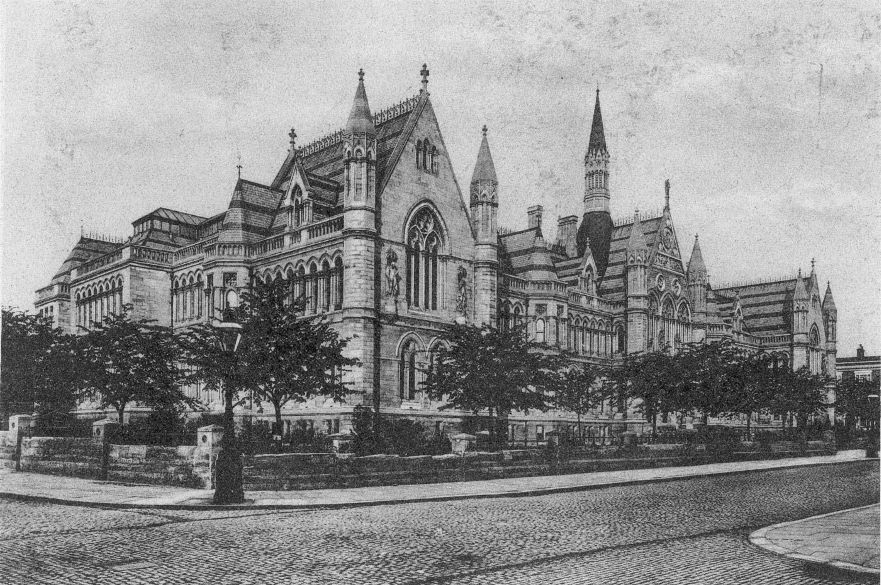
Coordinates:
872	444
228	479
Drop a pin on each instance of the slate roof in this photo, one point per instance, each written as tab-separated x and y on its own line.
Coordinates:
86	249
766	306
326	164
251	212
175	216
515	249
612	284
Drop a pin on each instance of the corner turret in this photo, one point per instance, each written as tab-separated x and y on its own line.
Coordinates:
359	138
698	282
484	209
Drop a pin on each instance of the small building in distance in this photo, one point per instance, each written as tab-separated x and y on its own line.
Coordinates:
860	367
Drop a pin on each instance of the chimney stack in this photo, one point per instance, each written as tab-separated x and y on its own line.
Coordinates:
534	215
567	231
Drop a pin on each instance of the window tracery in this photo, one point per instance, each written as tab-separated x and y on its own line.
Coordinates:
424	241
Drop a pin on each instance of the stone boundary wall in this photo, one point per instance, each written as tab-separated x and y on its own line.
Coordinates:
94	459
302	471
191	466
7	450
180	466
62	456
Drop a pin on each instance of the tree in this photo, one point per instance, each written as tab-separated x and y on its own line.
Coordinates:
130	361
41	368
289	357
485	368
852	401
284	356
576	390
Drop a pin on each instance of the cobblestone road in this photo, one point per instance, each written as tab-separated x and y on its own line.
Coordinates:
688	531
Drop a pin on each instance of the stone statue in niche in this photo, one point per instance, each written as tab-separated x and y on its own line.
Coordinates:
392	282
462	290
392	278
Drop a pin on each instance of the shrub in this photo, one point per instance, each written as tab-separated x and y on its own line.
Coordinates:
400	436
166	427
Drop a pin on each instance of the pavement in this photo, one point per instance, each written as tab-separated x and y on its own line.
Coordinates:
85	492
845	540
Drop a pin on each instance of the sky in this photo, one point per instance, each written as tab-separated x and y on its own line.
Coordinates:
764	116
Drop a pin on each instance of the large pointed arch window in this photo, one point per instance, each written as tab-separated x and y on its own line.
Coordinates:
424	242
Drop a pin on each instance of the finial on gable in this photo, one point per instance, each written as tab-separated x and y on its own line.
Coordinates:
361	74
667	194
484	129
424	74
239	167
293	136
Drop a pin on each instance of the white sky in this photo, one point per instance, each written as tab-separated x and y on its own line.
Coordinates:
113	109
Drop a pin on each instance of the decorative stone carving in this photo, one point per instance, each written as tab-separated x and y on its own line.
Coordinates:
392	278
392	282
462	291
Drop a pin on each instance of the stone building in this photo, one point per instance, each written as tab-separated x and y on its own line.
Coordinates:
370	225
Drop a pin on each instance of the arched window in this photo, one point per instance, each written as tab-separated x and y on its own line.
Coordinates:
325	286
312	288
408	371
619	334
426	153
518	316
419	154
424	241
338	268
300	285
199	294
539	330
434	159
505	316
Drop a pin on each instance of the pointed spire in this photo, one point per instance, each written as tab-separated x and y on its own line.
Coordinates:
360	119
484	169
667	195
696	264
597	136
801	293
637	237
828	301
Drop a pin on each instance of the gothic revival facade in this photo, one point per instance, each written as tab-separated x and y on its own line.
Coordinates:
370	226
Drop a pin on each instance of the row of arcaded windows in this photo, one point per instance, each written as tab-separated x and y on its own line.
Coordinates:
321	287
426	156
188	300
94	304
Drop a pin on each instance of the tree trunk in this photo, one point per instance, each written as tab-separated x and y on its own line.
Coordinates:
277	406
654	424
120	410
749	418
580	434
492	428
